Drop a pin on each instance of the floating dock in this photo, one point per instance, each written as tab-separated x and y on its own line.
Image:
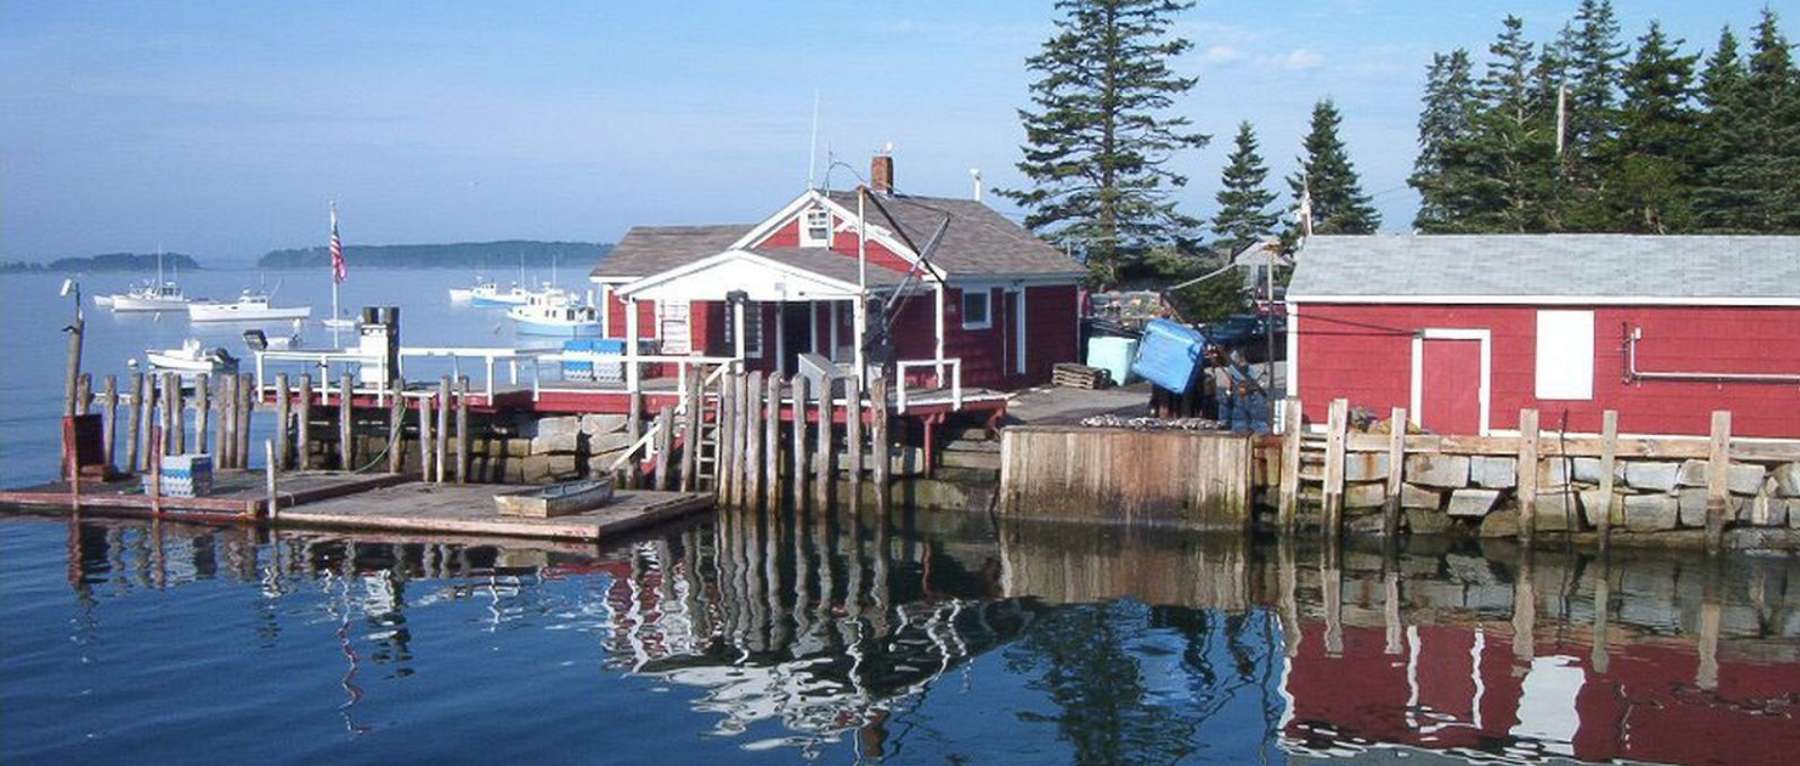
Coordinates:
378	502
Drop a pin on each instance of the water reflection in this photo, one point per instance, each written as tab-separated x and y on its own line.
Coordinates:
884	637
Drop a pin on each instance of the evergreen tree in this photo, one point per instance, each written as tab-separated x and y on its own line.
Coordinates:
1339	205
1448	117
1594	57
1244	216
1098	140
1760	174
1721	94
1649	183
1500	176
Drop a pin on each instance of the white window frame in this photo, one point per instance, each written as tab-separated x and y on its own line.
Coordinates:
987	299
1564	369
807	238
1484	393
753	341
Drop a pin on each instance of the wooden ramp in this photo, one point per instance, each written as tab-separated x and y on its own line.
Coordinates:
468	509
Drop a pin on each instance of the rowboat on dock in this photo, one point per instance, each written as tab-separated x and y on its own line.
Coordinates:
556	499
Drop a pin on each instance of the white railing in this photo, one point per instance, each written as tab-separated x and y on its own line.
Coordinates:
629	364
647	442
323	359
937	365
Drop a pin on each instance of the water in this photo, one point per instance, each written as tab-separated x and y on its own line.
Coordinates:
35	350
936	638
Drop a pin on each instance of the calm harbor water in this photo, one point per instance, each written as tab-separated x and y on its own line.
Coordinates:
784	637
932	638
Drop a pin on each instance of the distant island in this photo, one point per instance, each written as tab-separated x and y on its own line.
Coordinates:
493	256
104	262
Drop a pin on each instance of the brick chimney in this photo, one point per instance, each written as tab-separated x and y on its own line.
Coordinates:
881	174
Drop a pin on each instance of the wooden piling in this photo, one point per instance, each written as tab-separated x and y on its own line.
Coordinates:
247	396
634	428
84	393
822	451
1337	422
303	422
133	422
1527	481
740	437
202	413
396	444
1390	520
178	412
228	421
853	432
283	416
442	446
463	438
723	457
109	427
147	425
76	331
798	478
880	448
772	443
1290	464
274	509
1718	485
425	442
165	416
1609	451
752	420
346	422
690	432
665	422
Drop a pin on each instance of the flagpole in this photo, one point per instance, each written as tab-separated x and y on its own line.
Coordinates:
334	279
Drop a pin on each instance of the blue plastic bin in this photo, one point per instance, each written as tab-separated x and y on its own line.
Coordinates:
585	370
1169	354
1113	354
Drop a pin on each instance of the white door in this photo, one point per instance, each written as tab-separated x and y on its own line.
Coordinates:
672	327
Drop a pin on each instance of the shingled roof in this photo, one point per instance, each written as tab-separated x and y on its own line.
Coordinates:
979	242
647	250
1563	268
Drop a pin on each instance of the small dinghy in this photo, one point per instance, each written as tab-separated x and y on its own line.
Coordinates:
555	500
192	358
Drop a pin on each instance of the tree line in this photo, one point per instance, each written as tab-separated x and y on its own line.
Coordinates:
499	257
1583	133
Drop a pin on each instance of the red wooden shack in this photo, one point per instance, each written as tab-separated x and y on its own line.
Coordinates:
1466	330
990	303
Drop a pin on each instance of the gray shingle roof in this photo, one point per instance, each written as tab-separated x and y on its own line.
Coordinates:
829	264
1476	268
979	242
646	250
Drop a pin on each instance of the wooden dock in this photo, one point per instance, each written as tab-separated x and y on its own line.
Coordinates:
378	502
468	509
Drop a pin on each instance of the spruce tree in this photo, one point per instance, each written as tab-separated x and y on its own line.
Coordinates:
1760	177
1650	180
1501	174
1721	95
1098	136
1244	216
1339	205
1594	56
1448	117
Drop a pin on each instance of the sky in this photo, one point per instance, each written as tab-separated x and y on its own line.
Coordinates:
224	129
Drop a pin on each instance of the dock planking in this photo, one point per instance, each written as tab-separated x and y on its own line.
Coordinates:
236	493
469	510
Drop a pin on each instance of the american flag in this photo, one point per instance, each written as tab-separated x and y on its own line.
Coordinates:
338	269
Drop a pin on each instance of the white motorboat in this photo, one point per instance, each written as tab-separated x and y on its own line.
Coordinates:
103	301
159	295
490	295
555	312
191	358
251	306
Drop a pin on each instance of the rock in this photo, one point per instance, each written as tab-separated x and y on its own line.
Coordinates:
1764	510
1367	524
1368	495
603	424
1787	480
1587	470
1501	524
1740	478
554	434
1693	507
1365	466
1793	513
1472	503
1590	507
1493	472
1651	513
1427	522
1553	473
1420	498
609	442
1557	512
1652	477
1443	471
541	468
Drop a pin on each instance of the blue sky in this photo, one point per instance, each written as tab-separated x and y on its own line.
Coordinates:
222	129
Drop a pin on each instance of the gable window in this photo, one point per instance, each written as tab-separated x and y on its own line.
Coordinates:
977	313
815	229
1565	355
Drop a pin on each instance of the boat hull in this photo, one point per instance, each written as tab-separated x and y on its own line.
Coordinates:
184	365
136	303
557	329
227	312
461	294
495	301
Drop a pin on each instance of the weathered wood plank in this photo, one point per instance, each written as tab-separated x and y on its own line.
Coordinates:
133	423
690	431
464	439
1390	521
797	480
1718	486
1609	450
1199	480
396	445
283	418
1336	424
665	422
441	446
772	441
822	451
1290	463
1527	481
303	422
753	448
347	422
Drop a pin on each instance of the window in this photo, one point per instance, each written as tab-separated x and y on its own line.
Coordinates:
817	231
976	314
752	329
1565	355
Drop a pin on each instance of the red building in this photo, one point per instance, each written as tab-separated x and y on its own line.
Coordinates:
988	303
1466	330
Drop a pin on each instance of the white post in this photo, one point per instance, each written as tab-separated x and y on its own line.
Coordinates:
1022	330
938	327
812	324
489	359
834	331
859	316
631	345
605	310
780	339
737	316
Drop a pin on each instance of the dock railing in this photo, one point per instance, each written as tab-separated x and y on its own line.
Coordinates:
937	365
354	360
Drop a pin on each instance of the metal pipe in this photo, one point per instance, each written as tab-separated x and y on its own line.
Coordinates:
1633	373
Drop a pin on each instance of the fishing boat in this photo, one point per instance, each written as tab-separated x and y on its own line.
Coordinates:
250	306
555	312
490	295
192	357
160	295
556	500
